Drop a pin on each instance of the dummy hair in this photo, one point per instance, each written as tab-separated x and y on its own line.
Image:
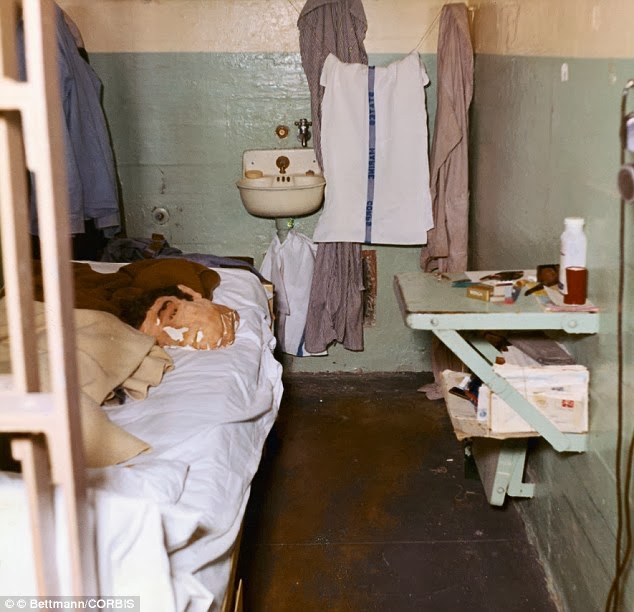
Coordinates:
133	311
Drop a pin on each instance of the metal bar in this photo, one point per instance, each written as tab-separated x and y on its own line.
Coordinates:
501	468
16	253
14	215
58	412
32	454
43	124
24	412
486	349
570	322
517	486
14	94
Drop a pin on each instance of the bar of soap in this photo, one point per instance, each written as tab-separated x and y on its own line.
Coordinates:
251	174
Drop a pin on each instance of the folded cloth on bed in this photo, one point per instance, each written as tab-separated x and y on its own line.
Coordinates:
110	354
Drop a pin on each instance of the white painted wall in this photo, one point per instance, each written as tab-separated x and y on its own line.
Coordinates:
242	26
578	28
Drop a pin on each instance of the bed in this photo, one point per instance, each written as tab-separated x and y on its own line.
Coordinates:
168	521
164	524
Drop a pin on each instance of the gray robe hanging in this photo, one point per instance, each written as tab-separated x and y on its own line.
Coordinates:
329	26
335	309
447	242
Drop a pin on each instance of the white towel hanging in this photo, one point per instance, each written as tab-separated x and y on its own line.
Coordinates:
374	147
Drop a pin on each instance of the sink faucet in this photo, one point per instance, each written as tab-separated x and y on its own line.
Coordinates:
304	132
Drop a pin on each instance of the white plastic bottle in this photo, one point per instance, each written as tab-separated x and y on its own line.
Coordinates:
573	247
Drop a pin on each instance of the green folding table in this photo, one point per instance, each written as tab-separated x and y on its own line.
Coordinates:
430	302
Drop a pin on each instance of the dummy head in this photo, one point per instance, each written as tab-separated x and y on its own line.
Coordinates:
191	321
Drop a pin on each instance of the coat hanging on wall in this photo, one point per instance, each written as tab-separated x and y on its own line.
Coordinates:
447	242
335	309
89	159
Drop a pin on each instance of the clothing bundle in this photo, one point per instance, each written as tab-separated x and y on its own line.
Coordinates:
89	160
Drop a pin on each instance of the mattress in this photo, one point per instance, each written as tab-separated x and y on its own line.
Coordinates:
167	520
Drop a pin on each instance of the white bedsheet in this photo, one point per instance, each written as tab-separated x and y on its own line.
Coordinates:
167	520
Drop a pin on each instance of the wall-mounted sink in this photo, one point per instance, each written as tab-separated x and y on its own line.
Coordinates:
280	183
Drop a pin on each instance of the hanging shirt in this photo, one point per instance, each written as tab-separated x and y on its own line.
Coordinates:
374	148
289	266
89	160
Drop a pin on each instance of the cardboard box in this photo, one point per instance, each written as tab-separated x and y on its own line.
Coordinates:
499	292
558	392
480	292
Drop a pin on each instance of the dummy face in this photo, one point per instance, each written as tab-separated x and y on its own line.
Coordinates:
199	324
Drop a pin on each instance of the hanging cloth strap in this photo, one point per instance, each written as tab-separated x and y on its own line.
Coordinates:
371	154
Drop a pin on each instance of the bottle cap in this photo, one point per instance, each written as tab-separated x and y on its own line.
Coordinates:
574	221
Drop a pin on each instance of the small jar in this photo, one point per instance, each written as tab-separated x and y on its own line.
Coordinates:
572	250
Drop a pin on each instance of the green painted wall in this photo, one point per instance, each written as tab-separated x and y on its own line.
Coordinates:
543	149
179	124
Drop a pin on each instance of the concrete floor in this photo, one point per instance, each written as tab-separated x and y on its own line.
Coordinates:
363	503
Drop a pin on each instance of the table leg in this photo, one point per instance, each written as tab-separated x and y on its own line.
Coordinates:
501	468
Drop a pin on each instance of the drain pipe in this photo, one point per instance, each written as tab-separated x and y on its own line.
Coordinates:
283	226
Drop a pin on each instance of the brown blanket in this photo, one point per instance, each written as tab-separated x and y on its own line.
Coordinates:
113	292
110	354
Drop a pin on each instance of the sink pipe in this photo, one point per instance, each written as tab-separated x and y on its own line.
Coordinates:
283	226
